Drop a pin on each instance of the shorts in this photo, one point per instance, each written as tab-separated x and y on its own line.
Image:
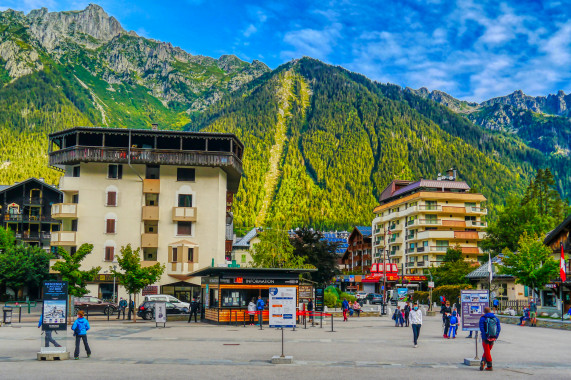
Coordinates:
533	314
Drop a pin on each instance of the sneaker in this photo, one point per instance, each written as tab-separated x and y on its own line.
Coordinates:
88	355
482	364
489	369
416	345
76	358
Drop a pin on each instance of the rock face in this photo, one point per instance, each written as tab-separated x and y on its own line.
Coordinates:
90	39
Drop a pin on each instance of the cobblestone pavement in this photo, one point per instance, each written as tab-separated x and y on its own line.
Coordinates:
363	347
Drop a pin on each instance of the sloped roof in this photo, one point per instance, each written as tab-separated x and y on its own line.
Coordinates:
482	271
31	179
244	242
366	231
457	185
341	249
553	234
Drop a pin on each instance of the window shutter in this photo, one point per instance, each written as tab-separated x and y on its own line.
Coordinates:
119	171
111	198
170	254
195	255
110	226
111	253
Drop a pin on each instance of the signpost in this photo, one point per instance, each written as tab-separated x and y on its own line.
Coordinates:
473	304
161	313
282	305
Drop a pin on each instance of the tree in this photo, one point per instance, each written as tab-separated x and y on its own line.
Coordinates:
318	252
275	251
543	193
453	270
532	264
134	277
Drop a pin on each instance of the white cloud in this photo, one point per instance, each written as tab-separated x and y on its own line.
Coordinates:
311	42
251	29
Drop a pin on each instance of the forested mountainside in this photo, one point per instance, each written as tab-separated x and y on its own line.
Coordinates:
542	122
321	142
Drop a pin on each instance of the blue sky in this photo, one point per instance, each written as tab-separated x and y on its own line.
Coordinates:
473	50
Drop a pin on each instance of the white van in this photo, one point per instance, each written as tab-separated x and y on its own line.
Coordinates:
166	298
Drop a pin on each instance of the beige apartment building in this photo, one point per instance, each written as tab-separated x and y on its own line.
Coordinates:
417	221
168	193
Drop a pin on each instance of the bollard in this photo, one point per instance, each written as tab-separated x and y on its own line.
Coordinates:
108	313
87	312
261	319
321	321
20	314
305	320
332	323
244	316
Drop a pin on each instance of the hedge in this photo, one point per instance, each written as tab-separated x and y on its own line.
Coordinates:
451	292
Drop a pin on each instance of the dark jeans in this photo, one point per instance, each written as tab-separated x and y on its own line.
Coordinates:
193	312
252	318
406	321
446	326
78	338
49	339
121	309
415	332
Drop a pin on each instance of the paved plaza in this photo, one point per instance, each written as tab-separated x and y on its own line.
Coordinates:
363	348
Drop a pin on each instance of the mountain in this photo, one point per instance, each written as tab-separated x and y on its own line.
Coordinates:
542	122
321	142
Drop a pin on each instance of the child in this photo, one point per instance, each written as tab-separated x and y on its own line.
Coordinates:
524	317
80	328
453	325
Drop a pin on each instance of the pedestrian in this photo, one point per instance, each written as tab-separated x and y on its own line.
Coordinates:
193	310
131	308
415	318
533	313
80	328
345	308
122	307
524	317
490	329
48	335
446	313
260	308
357	308
252	311
406	313
496	304
453	325
310	309
398	317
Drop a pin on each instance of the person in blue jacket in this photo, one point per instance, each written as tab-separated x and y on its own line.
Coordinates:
48	333
490	329
453	325
260	307
345	308
80	328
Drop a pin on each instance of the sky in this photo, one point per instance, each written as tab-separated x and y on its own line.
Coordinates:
473	50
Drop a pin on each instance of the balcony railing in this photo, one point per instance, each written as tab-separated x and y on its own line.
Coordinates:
430	208
479	210
477	223
64	210
150	213
420	263
419	249
151	186
439	248
149	240
184	214
453	210
430	222
453	223
63	238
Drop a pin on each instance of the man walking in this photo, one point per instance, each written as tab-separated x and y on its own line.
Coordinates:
490	329
122	307
345	308
310	309
415	318
446	312
193	310
406	313
48	333
533	313
260	308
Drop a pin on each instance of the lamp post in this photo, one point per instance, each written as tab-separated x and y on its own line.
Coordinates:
114	269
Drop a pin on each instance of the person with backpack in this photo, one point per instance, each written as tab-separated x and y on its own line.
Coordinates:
415	318
122	308
533	313
406	313
345	308
260	308
446	311
490	329
453	325
524	317
80	328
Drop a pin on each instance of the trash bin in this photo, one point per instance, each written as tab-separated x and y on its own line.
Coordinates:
7	319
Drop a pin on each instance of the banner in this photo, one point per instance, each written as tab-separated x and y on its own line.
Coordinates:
473	304
160	312
283	303
54	310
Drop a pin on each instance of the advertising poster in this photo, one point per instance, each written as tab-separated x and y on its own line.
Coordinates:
402	294
161	312
54	310
473	304
283	302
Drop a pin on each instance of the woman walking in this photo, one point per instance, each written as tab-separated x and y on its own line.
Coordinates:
415	318
80	328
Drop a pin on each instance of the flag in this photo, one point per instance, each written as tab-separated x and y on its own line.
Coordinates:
490	269
562	265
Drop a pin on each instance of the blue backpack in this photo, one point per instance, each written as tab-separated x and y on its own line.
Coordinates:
491	328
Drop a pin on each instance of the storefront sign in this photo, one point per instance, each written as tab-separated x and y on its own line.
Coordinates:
407	278
283	302
319	299
54	310
551	286
150	290
473	304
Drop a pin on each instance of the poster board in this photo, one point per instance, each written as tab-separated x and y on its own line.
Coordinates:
283	303
54	309
319	299
473	304
161	313
402	294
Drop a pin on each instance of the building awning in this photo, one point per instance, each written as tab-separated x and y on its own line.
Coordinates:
375	277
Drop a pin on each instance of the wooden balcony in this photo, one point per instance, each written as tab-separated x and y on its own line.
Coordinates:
181	267
453	223
149	240
471	250
150	213
453	210
63	238
477	223
466	235
151	186
64	210
184	214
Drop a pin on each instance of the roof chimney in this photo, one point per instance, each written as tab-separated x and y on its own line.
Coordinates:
42	179
155	126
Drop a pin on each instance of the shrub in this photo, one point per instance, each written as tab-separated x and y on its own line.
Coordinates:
330	299
420	297
451	292
350	297
332	289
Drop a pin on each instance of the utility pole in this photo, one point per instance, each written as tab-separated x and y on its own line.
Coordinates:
383	312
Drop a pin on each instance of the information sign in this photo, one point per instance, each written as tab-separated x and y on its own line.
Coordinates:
283	302
431	284
319	299
54	310
473	304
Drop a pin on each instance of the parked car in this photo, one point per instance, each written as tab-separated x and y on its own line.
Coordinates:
168	298
361	295
147	309
94	305
375	298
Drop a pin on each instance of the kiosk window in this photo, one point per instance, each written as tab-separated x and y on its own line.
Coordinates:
239	297
213	298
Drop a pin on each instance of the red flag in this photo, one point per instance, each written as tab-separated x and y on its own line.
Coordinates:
562	265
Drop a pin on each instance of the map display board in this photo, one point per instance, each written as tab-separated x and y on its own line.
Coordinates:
283	303
473	304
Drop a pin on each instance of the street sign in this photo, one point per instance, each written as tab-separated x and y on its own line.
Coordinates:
473	304
431	284
283	302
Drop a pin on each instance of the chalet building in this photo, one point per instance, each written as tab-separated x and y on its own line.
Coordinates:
168	193
557	290
418	220
358	254
26	210
242	247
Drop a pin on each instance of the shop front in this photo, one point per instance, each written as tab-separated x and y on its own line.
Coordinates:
226	292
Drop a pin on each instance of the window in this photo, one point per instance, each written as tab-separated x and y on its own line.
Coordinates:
109	253
184	200
111	198
153	172
110	226
175	255
75	198
115	171
72	250
190	257
243	259
185	174
74	225
425	243
184	228
75	171
431	205
425	258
